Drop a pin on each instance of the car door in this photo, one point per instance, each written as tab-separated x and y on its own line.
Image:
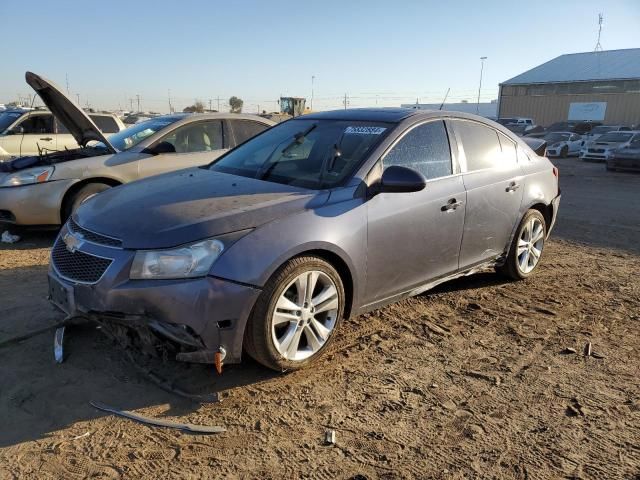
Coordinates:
243	130
37	131
575	142
494	184
193	144
415	237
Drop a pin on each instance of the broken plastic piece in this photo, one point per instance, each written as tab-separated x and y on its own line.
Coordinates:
219	359
8	238
187	427
58	344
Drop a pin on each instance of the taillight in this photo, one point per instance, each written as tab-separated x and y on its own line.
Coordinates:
556	173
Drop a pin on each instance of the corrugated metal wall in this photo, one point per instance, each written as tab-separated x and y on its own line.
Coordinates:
622	108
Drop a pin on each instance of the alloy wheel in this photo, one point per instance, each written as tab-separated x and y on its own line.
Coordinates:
530	245
305	315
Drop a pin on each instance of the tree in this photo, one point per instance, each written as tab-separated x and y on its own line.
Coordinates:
197	107
236	104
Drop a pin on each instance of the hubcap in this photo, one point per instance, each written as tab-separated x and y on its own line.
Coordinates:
305	315
530	245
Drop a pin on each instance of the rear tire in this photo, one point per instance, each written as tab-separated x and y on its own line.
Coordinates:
81	196
526	248
290	326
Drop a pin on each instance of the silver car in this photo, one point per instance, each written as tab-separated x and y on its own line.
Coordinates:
328	215
45	189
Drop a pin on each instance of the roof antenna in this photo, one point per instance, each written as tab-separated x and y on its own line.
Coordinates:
598	46
445	98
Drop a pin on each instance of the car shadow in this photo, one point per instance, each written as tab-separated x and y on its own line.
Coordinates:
39	396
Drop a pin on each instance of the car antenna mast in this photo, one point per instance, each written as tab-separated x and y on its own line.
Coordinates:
445	98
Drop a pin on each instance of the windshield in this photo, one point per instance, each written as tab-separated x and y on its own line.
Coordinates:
133	135
506	121
556	137
617	137
312	154
7	118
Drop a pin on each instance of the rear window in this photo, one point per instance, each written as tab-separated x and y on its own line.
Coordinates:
245	129
105	123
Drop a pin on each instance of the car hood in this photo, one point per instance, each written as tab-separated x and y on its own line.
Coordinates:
67	112
186	206
608	144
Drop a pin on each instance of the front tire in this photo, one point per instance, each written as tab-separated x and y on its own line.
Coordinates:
296	315
526	248
81	196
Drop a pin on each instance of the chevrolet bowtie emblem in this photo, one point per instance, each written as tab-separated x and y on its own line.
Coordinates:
73	242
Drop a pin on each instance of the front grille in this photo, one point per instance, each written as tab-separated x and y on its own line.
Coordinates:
596	150
78	266
93	237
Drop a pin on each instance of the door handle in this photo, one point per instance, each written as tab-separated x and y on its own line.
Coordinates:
48	139
451	205
513	186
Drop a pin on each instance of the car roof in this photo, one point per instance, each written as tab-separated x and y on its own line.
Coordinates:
393	115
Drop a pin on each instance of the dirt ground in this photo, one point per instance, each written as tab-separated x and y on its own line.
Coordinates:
471	380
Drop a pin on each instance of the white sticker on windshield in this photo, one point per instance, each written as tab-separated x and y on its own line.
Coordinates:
365	130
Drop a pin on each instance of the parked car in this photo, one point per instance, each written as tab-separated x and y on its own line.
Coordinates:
626	157
520	125
578	127
45	189
602	129
327	215
563	144
603	147
29	132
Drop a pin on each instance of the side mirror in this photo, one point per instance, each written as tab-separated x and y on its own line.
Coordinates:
160	148
396	179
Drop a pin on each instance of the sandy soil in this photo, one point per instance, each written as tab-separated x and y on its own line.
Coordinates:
470	380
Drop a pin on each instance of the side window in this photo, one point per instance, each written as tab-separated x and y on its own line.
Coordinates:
60	128
509	152
198	137
481	146
425	149
37	124
105	123
245	129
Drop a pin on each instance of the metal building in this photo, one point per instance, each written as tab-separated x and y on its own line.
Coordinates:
602	86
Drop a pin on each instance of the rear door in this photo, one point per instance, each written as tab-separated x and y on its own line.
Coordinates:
494	184
415	237
243	130
195	144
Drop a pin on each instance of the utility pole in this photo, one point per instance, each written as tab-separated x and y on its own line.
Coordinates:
170	107
67	78
131	105
345	101
210	100
313	77
138	99
598	46
482	59
218	103
78	97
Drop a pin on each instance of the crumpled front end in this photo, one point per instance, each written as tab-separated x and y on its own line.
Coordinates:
186	319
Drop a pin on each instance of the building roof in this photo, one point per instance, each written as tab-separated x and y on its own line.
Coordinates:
390	114
588	66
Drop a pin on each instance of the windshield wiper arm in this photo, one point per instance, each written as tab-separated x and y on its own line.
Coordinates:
298	139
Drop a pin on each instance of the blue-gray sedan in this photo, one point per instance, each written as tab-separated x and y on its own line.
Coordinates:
326	216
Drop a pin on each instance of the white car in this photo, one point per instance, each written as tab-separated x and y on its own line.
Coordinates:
602	149
600	130
563	144
29	132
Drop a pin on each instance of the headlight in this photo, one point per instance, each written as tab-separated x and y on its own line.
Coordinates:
189	261
27	177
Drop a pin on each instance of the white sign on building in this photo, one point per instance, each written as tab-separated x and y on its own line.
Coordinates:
587	111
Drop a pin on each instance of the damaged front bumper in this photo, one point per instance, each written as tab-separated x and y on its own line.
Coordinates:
188	319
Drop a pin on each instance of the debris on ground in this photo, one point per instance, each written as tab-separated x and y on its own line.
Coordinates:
575	409
568	351
587	349
58	344
8	238
597	355
330	437
158	422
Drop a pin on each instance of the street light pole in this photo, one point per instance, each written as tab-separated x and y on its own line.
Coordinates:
482	59
313	77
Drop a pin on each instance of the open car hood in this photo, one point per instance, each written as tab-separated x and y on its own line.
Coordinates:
67	112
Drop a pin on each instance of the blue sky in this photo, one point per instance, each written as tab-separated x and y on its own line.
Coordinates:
389	52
